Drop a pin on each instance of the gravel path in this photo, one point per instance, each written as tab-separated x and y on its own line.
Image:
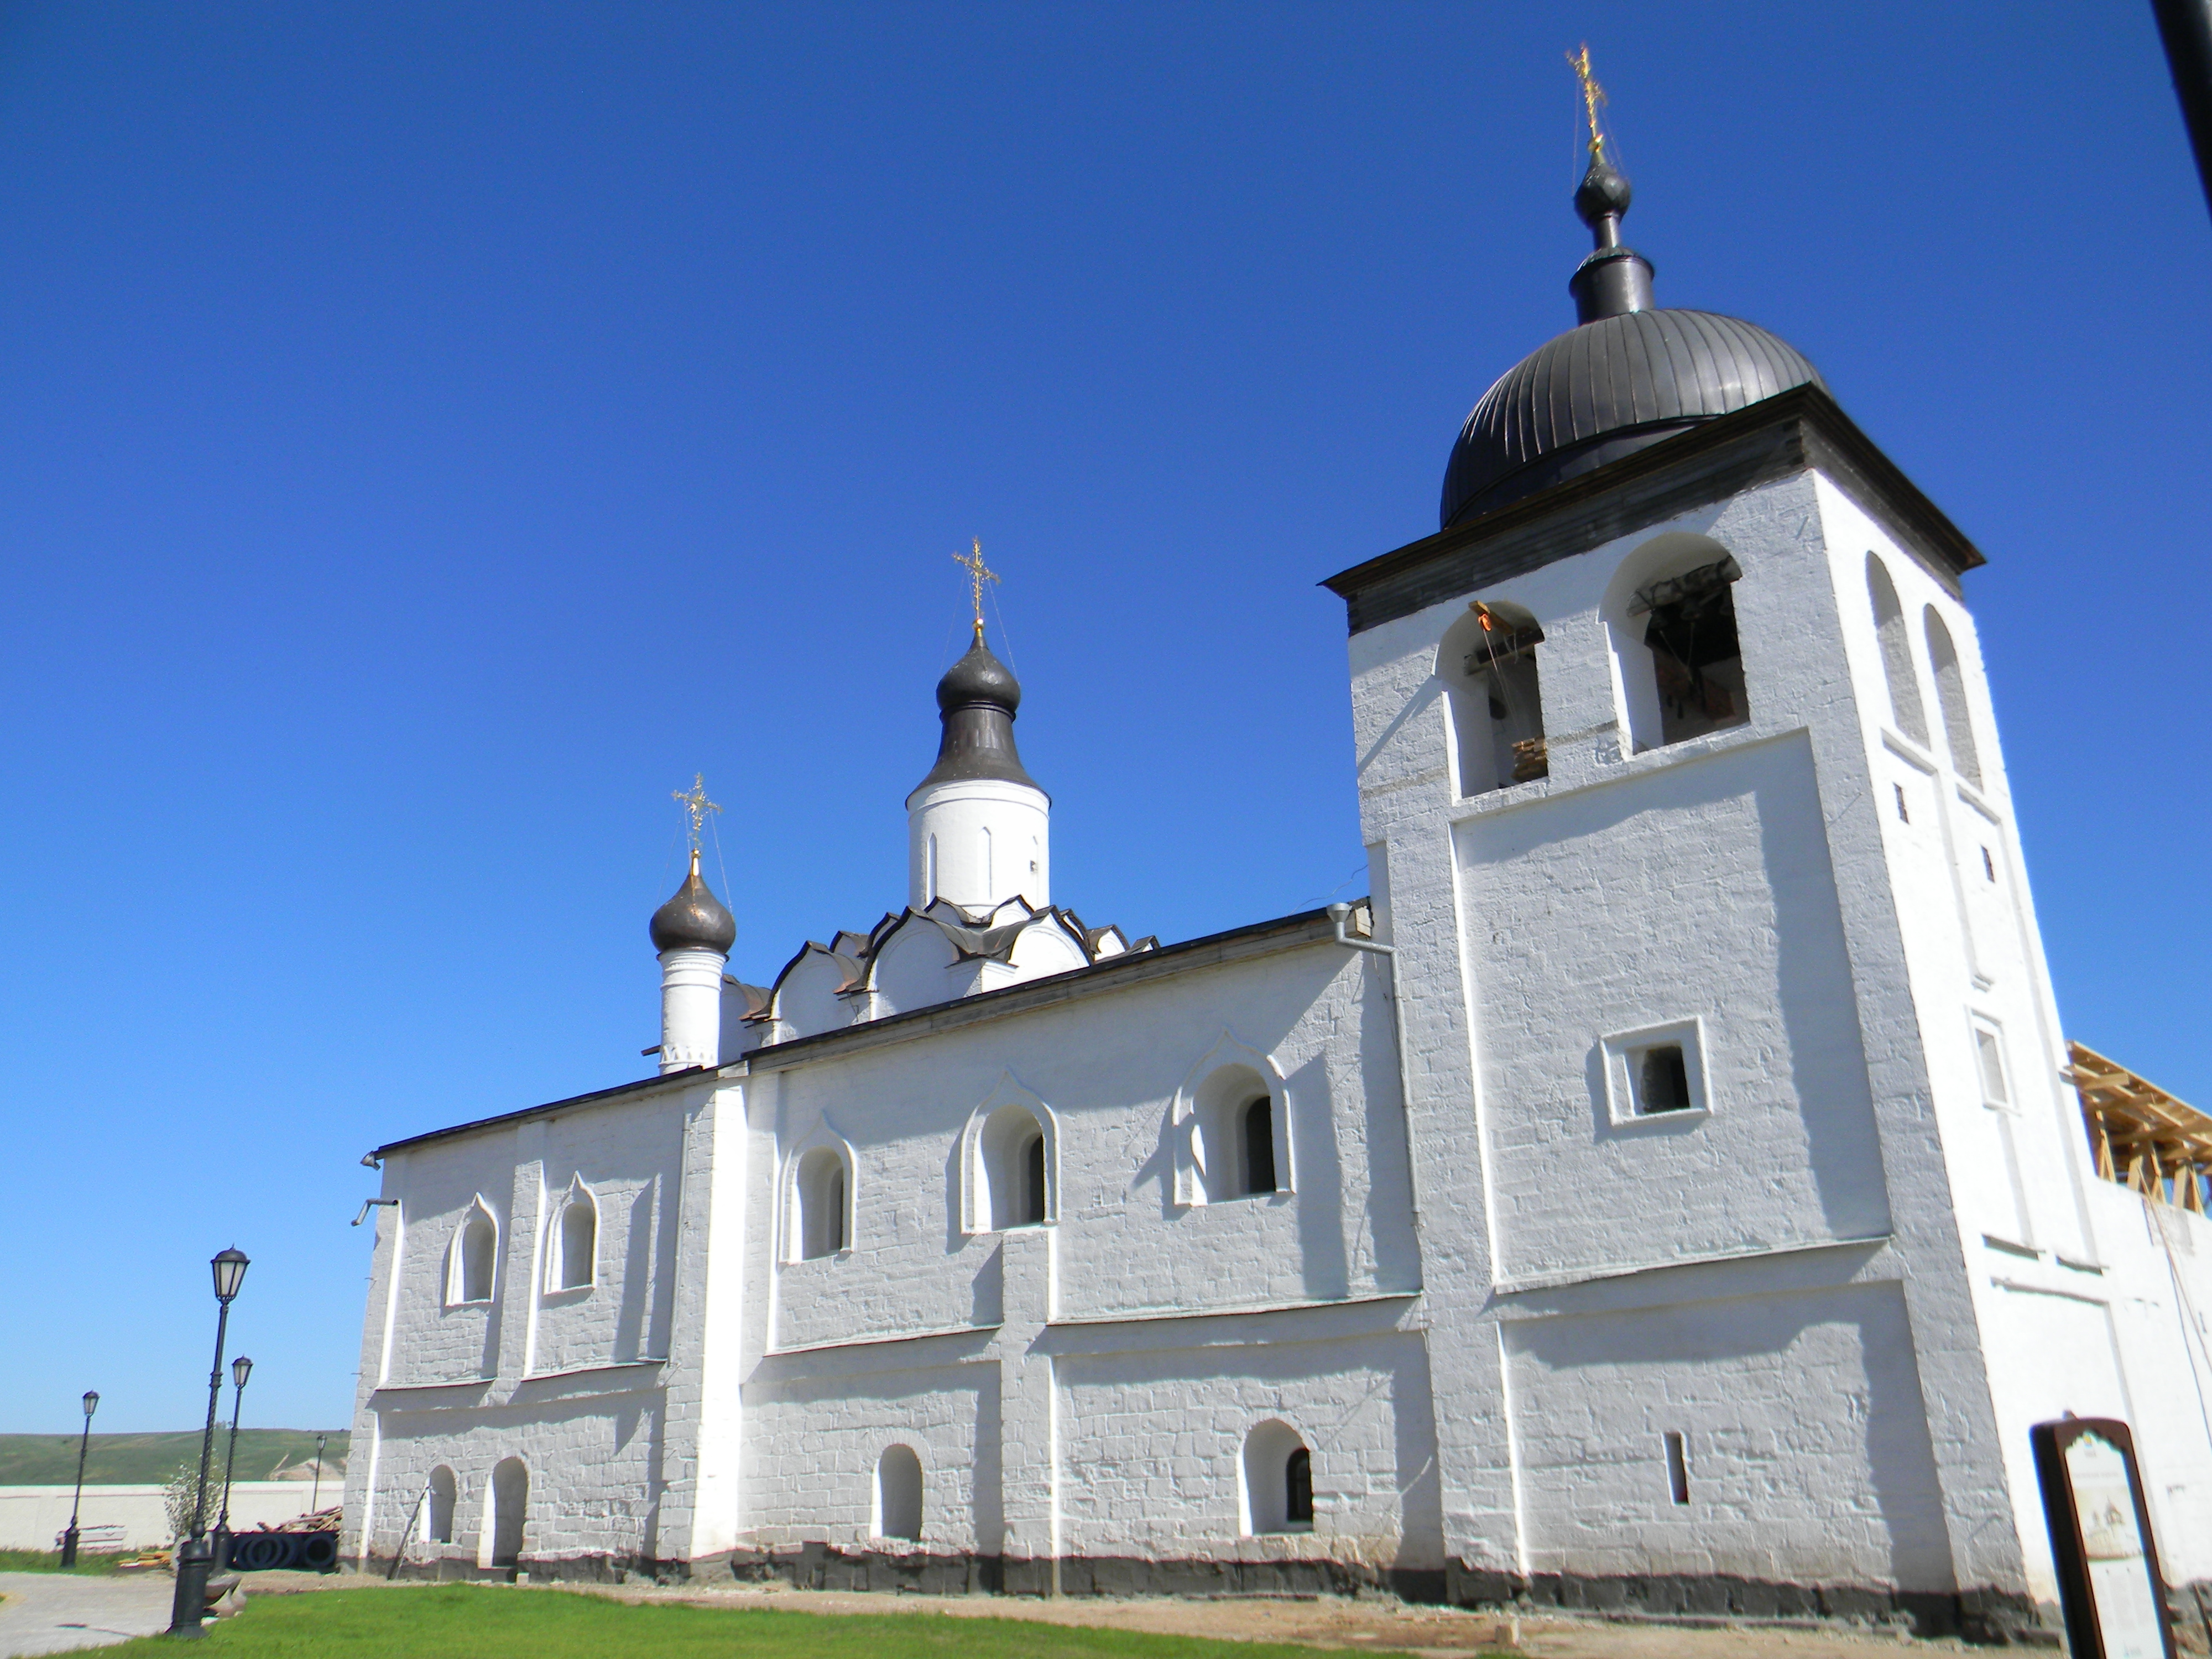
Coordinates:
55	1611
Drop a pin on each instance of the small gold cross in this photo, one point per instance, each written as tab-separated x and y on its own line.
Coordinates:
1593	95
694	801
978	573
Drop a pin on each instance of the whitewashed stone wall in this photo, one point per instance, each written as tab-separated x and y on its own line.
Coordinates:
864	1348
568	1381
1738	880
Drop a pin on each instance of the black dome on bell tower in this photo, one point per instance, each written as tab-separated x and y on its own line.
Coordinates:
1631	375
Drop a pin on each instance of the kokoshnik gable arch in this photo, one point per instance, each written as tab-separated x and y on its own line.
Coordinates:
1665	1192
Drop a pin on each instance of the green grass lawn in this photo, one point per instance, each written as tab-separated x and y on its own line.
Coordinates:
462	1621
50	1561
131	1460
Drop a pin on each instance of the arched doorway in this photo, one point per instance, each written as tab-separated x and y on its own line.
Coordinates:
510	1498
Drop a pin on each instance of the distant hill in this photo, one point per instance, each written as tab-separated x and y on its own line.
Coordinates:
133	1460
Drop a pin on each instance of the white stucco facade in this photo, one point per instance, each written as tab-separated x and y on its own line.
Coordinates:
1641	1224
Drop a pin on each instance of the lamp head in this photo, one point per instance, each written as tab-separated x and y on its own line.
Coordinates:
91	1401
241	1369
229	1273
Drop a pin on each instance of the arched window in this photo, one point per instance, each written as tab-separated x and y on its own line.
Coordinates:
818	1199
1904	705
1671	611
1488	665
474	1253
1032	1205
574	1266
1297	1488
1014	1188
1697	662
1951	695
510	1498
899	1494
437	1525
1278	1480
1259	1145
1241	1149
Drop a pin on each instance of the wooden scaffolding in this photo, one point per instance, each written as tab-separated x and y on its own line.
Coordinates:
2143	1138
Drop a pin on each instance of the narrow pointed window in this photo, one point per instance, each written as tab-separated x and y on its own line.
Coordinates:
1259	1146
1033	1182
1012	1171
1904	704
580	1242
476	1251
1297	1488
1951	695
818	1196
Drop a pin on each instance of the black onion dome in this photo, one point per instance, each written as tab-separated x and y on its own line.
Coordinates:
976	701
979	677
1629	377
693	919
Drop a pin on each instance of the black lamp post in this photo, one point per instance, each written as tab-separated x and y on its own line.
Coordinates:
314	1505
194	1559
241	1369
84	1446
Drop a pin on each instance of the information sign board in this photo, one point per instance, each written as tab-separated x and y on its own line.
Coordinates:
2101	1540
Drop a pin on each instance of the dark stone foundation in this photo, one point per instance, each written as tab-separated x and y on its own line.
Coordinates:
1986	1616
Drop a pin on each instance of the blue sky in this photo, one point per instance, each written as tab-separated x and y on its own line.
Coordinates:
432	433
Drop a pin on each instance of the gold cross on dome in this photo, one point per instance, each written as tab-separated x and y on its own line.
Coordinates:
694	801
978	573
1593	95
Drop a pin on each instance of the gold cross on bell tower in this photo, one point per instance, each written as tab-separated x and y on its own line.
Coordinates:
1593	95
694	803
978	573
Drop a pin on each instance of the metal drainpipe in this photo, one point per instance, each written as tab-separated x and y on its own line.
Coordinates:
1341	914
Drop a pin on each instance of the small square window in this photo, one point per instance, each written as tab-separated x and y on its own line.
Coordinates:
1657	1072
1662	1080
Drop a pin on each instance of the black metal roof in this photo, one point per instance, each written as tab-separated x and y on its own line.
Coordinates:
1606	390
693	919
1630	376
977	700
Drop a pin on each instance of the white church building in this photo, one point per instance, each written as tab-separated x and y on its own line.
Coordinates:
1673	1190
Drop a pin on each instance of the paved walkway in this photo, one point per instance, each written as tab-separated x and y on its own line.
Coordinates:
54	1612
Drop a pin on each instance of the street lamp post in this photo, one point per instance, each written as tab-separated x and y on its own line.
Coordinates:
241	1369
84	1445
315	1504
194	1559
